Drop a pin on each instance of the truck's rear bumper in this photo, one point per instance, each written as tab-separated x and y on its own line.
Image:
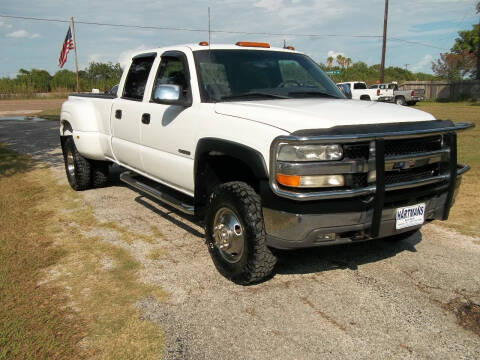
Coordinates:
289	231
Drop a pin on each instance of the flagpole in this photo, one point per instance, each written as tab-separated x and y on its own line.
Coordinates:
75	48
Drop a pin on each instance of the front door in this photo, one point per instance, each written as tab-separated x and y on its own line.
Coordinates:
168	137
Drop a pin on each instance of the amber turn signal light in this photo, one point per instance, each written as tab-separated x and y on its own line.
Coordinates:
203	43
288	180
252	44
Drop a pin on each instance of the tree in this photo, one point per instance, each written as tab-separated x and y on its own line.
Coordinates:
348	62
466	41
455	66
64	79
340	60
330	61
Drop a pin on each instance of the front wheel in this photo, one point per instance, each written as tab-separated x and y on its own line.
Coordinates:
235	234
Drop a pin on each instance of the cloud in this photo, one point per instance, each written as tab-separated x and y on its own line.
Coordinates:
22	34
424	65
334	54
269	5
5	25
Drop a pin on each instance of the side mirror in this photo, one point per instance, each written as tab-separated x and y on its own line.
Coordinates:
170	94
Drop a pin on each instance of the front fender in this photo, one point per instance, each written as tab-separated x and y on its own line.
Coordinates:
253	158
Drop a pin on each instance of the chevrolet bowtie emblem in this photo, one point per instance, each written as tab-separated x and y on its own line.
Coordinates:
408	164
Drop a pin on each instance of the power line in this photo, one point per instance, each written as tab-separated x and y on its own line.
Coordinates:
145	27
188	29
417	43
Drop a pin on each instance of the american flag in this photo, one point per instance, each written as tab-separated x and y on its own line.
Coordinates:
66	47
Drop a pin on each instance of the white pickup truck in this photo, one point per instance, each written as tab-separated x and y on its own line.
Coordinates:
260	145
360	91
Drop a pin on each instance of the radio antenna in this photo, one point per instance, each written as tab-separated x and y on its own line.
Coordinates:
209	28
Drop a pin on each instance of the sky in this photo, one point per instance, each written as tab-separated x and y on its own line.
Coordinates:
36	44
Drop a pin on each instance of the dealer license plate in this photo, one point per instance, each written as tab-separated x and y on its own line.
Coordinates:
410	216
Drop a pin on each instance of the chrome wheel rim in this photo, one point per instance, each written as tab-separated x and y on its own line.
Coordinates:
228	234
70	164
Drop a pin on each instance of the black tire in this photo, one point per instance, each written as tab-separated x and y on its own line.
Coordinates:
411	103
99	173
365	98
256	262
402	236
400	100
78	175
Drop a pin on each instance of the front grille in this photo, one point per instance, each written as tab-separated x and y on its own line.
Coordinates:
412	146
359	180
356	151
424	172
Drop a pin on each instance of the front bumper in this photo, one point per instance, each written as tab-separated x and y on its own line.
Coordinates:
290	231
365	212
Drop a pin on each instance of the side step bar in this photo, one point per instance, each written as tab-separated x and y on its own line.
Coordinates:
131	179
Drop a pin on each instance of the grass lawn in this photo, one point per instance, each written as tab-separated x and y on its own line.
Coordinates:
58	298
50	114
465	214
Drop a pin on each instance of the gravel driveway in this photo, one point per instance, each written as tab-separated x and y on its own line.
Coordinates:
373	300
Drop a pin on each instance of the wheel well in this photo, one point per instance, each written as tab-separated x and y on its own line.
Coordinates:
399	97
215	169
364	97
65	128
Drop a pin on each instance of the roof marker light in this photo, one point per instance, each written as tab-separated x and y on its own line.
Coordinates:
252	44
203	43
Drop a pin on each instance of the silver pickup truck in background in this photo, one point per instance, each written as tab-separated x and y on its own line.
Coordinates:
402	97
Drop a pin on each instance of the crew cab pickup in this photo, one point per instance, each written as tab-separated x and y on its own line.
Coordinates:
361	92
264	149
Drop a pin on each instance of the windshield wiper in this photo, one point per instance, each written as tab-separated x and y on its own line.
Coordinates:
312	93
253	95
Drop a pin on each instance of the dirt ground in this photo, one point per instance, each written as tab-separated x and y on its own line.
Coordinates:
14	107
419	298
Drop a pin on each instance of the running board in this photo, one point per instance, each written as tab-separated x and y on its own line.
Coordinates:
154	190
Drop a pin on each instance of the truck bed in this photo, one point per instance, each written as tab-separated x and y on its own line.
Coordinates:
92	95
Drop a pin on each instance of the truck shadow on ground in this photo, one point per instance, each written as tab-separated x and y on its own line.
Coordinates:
348	256
304	261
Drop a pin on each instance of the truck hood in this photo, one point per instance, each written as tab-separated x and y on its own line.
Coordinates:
301	114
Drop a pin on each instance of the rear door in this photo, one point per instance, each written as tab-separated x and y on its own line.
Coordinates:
126	116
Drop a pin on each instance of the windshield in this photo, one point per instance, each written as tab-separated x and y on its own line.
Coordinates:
234	75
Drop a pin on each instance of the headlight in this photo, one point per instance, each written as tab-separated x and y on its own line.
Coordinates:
289	152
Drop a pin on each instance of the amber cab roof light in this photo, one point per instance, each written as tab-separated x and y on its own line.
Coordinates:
203	43
290	48
252	44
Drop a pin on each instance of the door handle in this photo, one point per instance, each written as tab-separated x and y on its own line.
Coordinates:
118	114
146	119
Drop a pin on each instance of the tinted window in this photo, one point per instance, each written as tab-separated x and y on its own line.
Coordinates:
359	86
173	70
137	78
225	75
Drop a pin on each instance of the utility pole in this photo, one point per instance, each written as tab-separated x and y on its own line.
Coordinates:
384	47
